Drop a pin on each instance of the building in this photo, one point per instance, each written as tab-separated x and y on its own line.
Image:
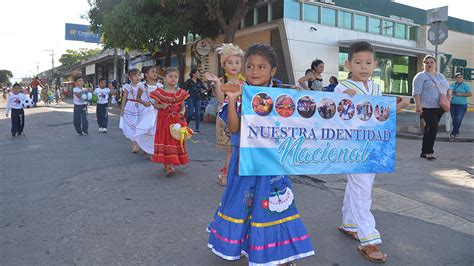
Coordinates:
301	31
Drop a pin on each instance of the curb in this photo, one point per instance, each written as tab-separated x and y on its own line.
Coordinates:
409	135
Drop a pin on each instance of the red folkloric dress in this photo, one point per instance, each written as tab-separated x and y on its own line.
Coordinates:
168	150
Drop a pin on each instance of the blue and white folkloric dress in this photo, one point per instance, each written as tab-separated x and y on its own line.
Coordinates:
257	217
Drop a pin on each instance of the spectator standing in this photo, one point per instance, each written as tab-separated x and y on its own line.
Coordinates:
459	91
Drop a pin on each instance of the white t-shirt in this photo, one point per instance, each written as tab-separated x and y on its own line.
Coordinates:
102	95
15	101
78	100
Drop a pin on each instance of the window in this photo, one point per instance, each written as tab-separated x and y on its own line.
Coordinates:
277	10
360	23
345	20
262	14
311	13
292	10
413	33
248	21
328	16
387	28
400	30
374	25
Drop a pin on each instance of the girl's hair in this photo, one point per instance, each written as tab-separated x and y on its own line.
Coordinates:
263	50
193	71
335	79
147	69
77	78
133	72
316	63
429	56
170	69
227	50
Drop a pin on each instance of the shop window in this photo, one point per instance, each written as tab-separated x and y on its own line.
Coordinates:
387	28
277	10
374	25
413	33
345	20
400	30
328	16
360	23
311	13
262	14
292	9
248	21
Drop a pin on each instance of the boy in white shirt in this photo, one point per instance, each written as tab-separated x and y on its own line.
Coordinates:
15	103
80	108
102	93
357	219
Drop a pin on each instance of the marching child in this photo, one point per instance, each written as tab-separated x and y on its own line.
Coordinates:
170	104
231	61
357	219
145	131
129	115
80	107
102	93
15	103
243	223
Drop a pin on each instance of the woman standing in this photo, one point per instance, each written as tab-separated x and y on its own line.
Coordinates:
195	88
460	91
427	87
313	77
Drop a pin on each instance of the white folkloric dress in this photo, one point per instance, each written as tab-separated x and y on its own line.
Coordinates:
131	114
146	127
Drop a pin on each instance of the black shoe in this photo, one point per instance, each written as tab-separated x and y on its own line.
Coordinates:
19	133
428	157
13	134
197	132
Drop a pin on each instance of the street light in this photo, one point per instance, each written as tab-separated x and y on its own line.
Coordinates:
52	63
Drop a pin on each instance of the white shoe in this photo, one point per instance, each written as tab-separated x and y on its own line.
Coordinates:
104	130
101	129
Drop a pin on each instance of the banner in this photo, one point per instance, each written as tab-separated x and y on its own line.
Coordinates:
289	132
77	32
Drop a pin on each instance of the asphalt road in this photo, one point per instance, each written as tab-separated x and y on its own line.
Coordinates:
87	200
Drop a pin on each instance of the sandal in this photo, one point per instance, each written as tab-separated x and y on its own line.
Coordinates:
169	171
372	253
222	180
349	233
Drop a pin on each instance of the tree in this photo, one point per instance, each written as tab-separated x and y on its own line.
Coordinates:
229	14
148	25
73	57
5	76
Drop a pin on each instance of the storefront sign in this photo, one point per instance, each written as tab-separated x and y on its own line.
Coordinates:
286	131
77	32
203	47
409	20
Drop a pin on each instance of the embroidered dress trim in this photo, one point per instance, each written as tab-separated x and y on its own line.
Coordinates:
372	238
225	239
234	220
282	261
284	220
224	256
350	227
281	243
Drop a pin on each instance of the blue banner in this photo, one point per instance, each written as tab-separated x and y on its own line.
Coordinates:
77	32
288	132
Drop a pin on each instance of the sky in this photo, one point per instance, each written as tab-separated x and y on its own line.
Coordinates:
29	28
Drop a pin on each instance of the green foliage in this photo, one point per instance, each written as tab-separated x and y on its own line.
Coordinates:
73	57
148	24
5	76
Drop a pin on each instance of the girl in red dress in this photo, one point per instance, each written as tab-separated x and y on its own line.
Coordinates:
170	104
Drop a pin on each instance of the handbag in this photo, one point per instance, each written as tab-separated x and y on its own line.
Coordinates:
180	131
443	99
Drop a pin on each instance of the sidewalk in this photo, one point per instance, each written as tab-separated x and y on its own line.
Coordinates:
408	127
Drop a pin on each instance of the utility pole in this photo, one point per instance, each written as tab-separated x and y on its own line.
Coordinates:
52	63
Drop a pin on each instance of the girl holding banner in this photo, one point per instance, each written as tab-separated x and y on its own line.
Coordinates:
257	216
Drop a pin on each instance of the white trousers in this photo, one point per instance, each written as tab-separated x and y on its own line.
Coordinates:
356	214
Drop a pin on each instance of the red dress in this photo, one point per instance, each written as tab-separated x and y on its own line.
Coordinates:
167	149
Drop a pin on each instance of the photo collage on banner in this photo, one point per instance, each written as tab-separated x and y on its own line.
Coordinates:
310	132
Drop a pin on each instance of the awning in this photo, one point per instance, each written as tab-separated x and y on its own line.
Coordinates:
391	47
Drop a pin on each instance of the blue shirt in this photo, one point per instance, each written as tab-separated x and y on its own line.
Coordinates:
429	87
459	88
